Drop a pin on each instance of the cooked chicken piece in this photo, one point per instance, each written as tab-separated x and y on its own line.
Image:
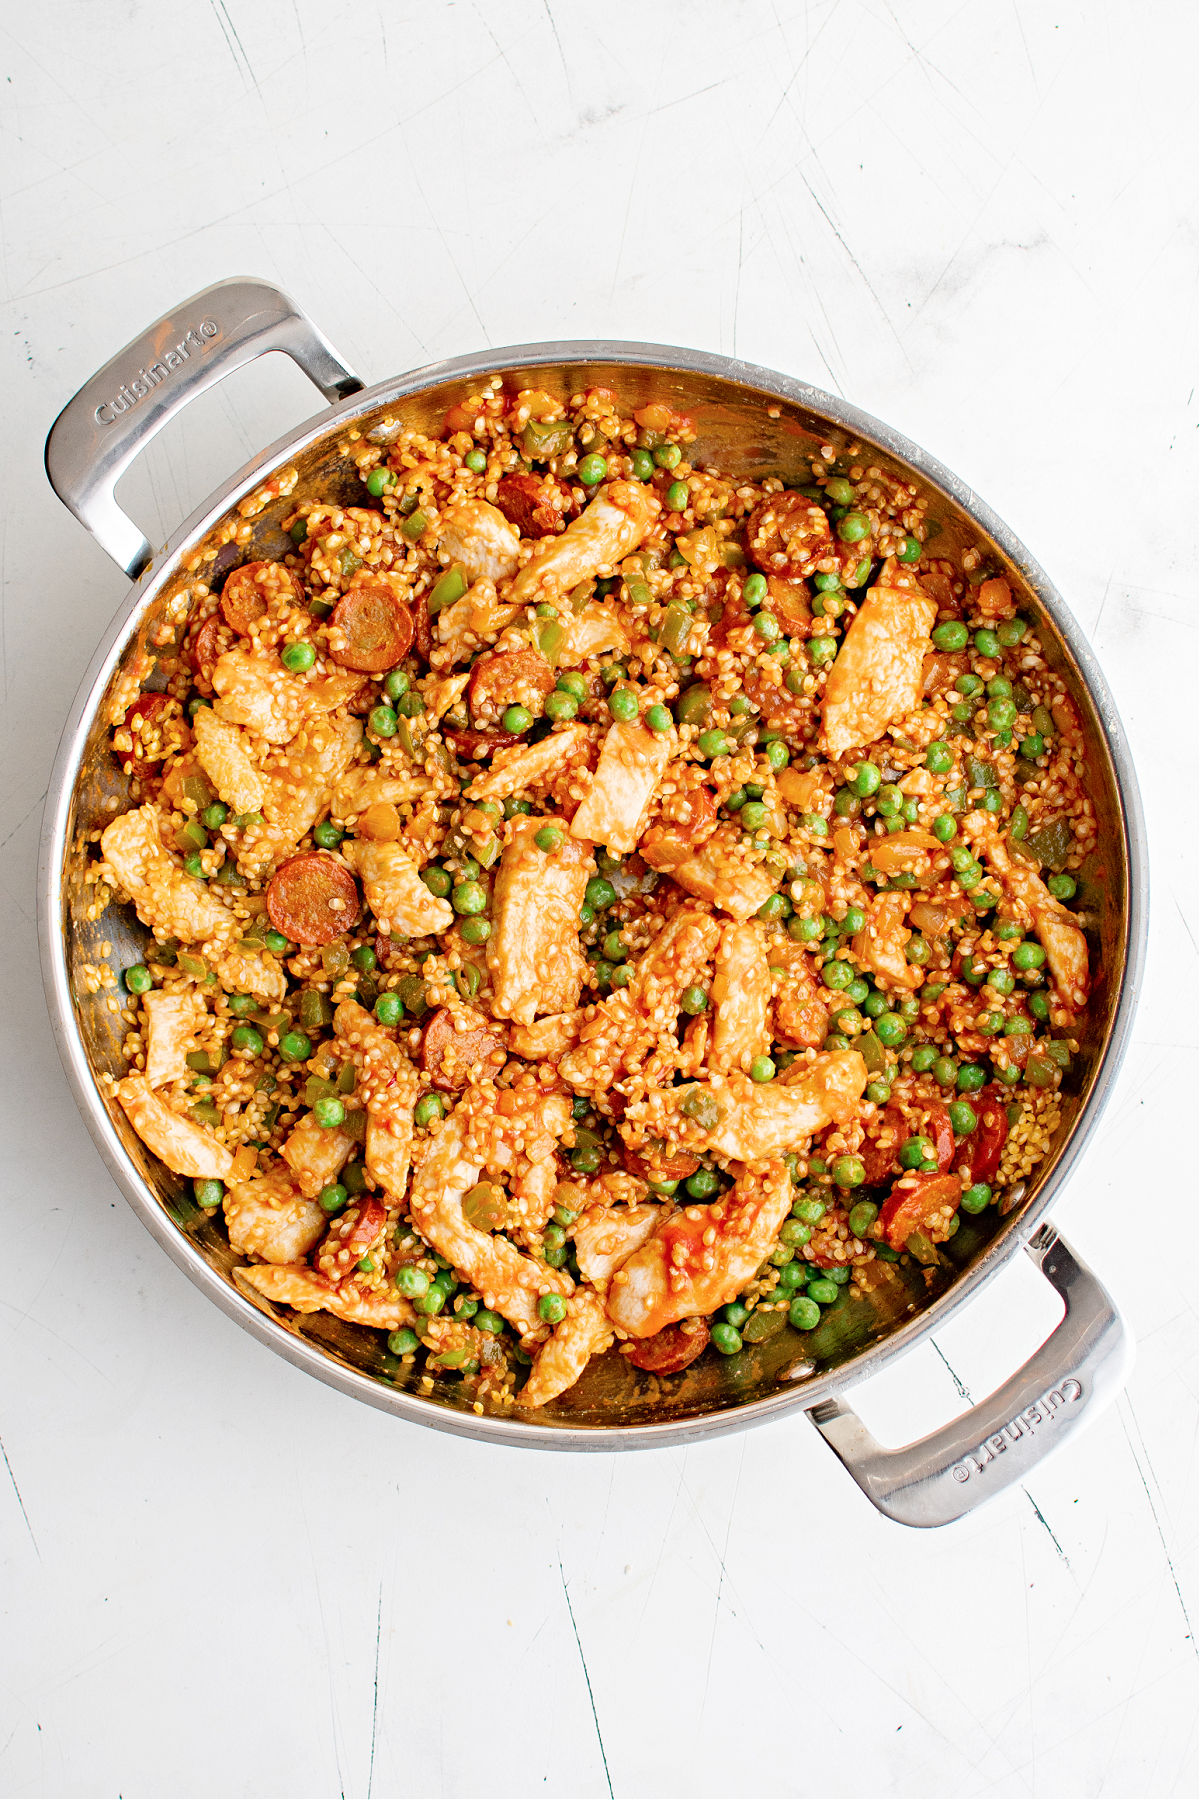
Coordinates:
741	997
299	782
472	622
315	1156
361	787
184	1146
533	953
606	1235
510	1282
632	763
880	943
477	535
879	670
441	695
596	629
527	765
701	1257
737	1118
223	751
619	1033
611	526
257	972
255	690
388	1086
547	1038
394	889
171	903
1057	929
301	1288
269	1217
170	1024
720	871
584	1333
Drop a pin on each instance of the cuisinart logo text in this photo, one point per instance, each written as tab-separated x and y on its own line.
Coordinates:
1042	1412
146	380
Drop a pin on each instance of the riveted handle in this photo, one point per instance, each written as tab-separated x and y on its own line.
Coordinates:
114	415
1081	1366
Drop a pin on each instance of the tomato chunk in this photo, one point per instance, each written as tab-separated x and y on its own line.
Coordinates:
670	1349
788	534
474	746
248	592
920	1203
657	1165
370	630
313	898
449	1055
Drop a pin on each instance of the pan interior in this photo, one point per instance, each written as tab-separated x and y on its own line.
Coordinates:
751	432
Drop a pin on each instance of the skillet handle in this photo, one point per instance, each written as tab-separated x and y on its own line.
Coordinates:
1082	1365
114	415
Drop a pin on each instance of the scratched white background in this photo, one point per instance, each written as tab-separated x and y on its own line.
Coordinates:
218	1577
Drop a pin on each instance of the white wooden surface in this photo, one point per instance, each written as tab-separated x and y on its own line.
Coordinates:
218	1577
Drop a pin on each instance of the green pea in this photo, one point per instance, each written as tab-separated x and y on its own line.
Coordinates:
475	930
944	828
762	1069
623	704
548	838
839	490
1001	713
1063	887
853	528
295	1046
754	589
667	456
1012	631
333	1197
962	1117
891	1031
1001	981
488	1321
194	866
804	931
209	1193
804	1314
816	824
852	921
326	835
389	1009
911	550
945	1071
658	718
469	897
678	496
889	799
428	1108
923	1057
823	1290
861	1217
914	1152
1028	956
246	1040
865	780
909	1008
969	685
382	721
437	881
329	1113
971	1077
777	754
552	1308
703	1184
298	657
641	465
410	706
726	1339
712	744
837	975
849	1171
822	649
1033	746
138	979
939	757
952	635
791	1276
977	1197
476	461
379	481
917	950
592	469
240	1005
516	719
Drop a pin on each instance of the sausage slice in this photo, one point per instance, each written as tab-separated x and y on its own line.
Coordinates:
313	898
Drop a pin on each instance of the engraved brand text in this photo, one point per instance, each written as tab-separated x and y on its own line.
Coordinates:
1042	1412
146	380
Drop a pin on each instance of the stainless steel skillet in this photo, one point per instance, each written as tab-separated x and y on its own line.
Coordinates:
755	422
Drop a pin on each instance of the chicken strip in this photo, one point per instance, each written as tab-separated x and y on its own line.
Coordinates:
533	954
879	670
185	1146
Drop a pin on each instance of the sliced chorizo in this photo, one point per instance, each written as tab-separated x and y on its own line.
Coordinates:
248	592
476	746
450	1055
313	898
503	678
370	629
656	1165
538	506
670	1349
788	534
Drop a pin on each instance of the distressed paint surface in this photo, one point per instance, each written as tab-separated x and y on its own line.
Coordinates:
181	1514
